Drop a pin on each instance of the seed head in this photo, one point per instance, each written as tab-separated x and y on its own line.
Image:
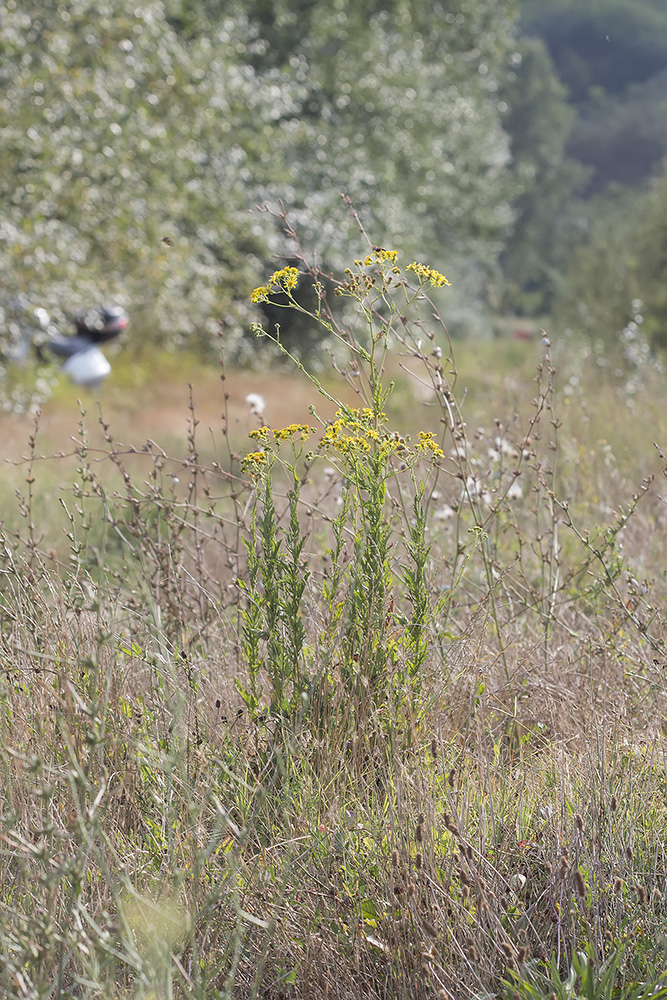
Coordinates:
450	824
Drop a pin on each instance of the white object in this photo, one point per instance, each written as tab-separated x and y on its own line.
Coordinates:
88	367
256	403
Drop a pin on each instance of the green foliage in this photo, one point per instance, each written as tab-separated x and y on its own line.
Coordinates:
115	136
606	980
650	244
123	127
611	55
606	44
616	282
601	280
622	139
535	260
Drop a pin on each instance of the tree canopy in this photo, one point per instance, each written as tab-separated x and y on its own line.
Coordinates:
611	56
123	125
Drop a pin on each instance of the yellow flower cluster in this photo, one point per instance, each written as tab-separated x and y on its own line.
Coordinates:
264	434
285	433
425	274
254	463
427	443
354	431
261	435
283	280
379	256
350	432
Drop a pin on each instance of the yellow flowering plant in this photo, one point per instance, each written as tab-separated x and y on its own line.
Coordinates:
378	618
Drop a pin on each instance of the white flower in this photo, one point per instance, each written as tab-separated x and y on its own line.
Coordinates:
515	492
444	513
256	404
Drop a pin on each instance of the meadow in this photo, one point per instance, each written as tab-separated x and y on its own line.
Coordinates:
360	694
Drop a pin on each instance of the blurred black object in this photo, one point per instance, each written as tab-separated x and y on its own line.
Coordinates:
97	327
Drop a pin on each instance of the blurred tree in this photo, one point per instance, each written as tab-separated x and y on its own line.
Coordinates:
601	282
611	55
606	44
117	134
538	120
623	138
651	260
125	124
403	116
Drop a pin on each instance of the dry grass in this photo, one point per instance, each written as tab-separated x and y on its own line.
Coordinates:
159	839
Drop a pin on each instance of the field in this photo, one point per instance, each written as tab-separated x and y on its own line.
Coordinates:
370	704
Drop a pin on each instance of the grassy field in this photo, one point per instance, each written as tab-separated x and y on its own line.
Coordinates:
374	715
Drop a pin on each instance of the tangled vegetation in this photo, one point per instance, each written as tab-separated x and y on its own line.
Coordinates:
360	713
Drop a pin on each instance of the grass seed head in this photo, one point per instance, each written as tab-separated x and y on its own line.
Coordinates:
471	952
450	824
